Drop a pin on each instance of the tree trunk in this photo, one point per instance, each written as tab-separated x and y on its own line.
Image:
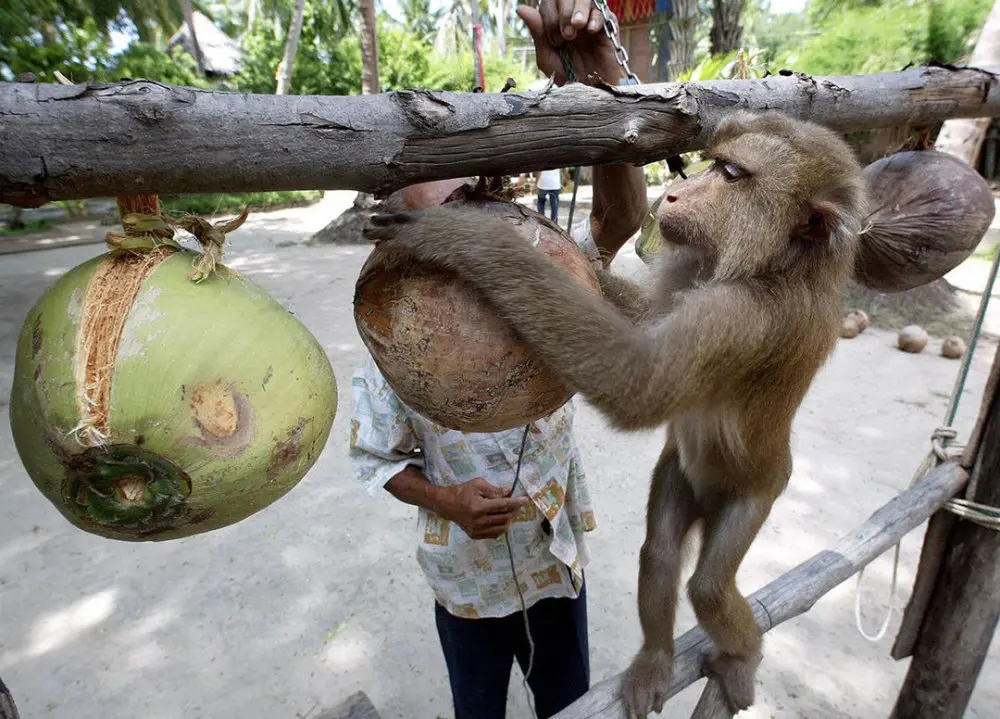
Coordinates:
16	219
346	229
963	138
369	48
189	20
500	18
134	137
291	49
252	10
684	29
727	33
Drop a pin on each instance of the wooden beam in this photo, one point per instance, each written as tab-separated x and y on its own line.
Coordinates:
964	607
796	591
138	137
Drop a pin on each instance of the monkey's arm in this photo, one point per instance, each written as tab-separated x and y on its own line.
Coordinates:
628	298
638	376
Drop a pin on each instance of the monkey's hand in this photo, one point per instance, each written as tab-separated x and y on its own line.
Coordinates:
459	239
646	683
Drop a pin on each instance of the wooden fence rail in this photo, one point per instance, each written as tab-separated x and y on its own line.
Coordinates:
137	137
796	591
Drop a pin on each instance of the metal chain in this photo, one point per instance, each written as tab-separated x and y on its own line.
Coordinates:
611	30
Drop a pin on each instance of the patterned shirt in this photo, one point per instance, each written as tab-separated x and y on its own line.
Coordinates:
472	577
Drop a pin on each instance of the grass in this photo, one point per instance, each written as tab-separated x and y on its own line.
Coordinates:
28	227
230	202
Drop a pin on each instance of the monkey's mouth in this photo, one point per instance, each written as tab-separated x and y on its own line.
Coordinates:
677	231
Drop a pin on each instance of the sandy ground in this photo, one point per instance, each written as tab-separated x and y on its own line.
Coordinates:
320	594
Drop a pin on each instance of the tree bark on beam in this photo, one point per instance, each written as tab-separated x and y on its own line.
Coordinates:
796	591
138	137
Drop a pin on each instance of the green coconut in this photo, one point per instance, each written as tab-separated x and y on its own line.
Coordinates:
147	405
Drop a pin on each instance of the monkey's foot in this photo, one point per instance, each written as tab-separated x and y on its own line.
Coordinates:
736	675
647	682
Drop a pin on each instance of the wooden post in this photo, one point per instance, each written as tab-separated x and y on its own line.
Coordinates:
964	607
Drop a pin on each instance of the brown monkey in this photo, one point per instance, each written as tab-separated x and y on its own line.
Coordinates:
724	347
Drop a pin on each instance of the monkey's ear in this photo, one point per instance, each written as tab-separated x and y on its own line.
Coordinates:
820	222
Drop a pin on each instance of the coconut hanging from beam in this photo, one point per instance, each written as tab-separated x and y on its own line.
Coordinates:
158	394
442	348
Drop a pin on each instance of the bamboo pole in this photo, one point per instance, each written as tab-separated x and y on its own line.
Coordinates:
141	138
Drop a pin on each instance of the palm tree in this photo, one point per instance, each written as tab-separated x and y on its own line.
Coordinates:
727	33
287	64
369	48
189	19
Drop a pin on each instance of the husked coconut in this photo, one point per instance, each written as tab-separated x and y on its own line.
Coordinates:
444	350
913	339
953	347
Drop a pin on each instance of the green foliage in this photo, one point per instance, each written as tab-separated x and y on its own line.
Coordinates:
952	27
777	35
456	73
419	19
29	226
143	61
887	37
80	53
229	203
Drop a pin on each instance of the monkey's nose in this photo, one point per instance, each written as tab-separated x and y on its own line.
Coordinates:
671	198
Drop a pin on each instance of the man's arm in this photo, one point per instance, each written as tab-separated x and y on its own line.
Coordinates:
619	204
619	207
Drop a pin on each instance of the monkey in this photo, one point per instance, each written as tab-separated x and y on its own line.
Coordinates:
721	348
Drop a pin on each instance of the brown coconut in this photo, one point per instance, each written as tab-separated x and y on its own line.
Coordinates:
444	350
913	339
854	324
953	347
928	212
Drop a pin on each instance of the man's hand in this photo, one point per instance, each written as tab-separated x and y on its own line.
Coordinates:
481	509
579	26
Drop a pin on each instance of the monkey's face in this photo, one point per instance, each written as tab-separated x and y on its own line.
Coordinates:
777	191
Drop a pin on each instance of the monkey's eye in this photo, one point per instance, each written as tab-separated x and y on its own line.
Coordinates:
730	171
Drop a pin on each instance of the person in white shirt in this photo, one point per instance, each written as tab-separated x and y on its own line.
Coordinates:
549	184
497	555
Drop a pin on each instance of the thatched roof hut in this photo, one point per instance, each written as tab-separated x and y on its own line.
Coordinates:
220	54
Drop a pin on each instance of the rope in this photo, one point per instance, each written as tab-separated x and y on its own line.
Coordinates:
943	447
139	235
517	584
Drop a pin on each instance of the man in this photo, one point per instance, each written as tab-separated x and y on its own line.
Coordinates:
549	185
475	534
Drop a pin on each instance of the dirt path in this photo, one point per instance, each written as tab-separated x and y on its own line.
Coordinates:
320	594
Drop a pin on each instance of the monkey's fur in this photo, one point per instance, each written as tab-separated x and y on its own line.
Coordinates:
723	348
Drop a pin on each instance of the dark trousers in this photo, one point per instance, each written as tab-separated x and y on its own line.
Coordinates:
553	196
480	653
